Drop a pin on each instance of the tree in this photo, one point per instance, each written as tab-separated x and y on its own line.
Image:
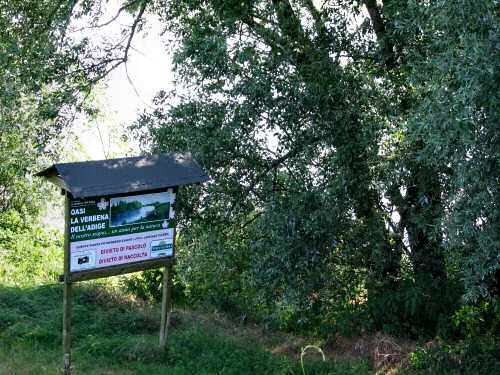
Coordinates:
455	79
257	73
337	114
37	93
47	73
318	123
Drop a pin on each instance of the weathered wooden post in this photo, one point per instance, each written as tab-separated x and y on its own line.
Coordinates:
120	218
66	323
165	306
166	312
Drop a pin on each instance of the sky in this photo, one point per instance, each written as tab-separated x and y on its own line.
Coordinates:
121	100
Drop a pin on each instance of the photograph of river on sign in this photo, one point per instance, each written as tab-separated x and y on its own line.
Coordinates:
140	209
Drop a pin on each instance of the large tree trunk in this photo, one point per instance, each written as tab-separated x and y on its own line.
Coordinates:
421	212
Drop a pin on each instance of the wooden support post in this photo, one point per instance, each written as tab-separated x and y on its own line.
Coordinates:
165	306
167	290
66	331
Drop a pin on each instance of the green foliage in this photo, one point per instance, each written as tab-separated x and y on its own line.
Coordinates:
480	319
123	206
212	278
43	79
29	252
317	124
477	355
411	310
315	136
148	286
456	118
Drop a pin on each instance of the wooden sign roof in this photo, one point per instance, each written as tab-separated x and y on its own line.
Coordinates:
125	175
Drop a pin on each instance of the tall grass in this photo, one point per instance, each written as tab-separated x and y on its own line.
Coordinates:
112	334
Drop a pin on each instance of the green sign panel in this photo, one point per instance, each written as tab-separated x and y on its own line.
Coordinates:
111	231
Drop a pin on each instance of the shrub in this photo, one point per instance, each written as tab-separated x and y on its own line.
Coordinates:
478	355
410	310
148	286
28	251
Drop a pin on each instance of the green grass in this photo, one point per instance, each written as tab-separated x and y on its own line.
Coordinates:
115	335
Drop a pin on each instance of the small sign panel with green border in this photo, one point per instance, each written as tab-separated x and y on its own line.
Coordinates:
112	231
162	248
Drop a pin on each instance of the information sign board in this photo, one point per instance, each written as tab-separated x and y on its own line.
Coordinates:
119	218
112	231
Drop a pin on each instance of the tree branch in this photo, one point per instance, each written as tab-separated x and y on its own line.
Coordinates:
288	21
381	32
126	6
124	59
315	14
134	28
275	164
246	224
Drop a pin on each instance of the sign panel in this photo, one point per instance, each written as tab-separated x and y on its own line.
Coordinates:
113	231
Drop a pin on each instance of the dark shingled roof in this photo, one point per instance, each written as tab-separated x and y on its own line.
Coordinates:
125	175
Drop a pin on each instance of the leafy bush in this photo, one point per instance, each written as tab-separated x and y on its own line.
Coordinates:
148	286
478	355
28	251
410	310
481	318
